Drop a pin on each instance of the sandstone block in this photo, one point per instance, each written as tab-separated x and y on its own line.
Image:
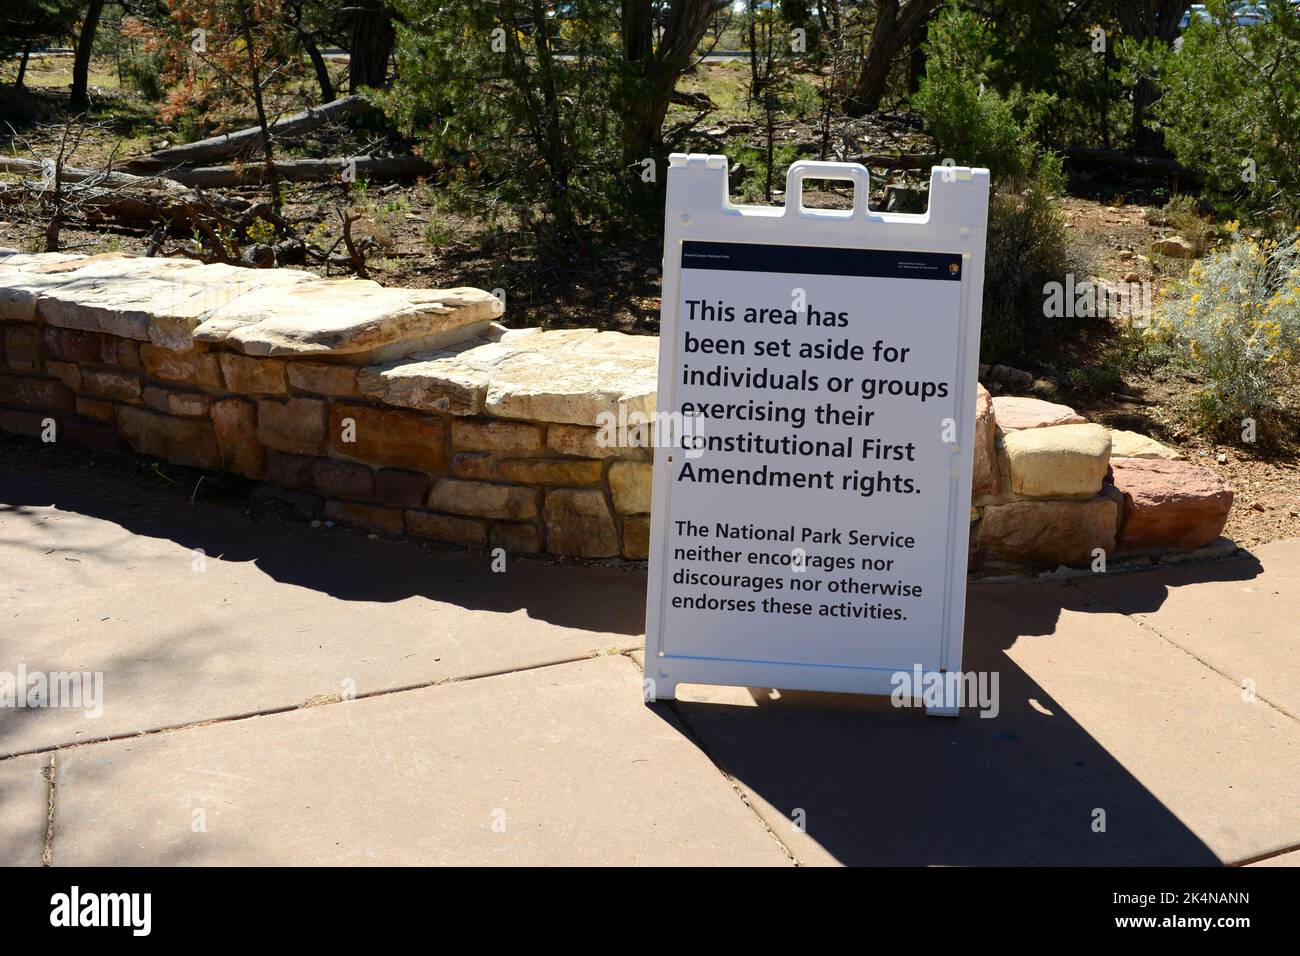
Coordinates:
474	435
551	471
1013	414
66	345
184	404
43	393
986	457
630	483
22	348
193	368
482	499
111	383
515	538
1064	461
95	408
250	376
403	489
1176	247
344	479
371	517
636	537
1124	444
473	464
1053	532
388	437
182	441
579	523
67	373
296	426
583	442
118	351
321	378
1169	503
290	471
465	531
235	421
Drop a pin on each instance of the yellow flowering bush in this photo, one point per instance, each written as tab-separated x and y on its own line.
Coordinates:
1234	324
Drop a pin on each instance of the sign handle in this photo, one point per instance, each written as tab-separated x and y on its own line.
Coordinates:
855	173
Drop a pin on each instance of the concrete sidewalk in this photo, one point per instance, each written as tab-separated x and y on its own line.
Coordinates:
498	717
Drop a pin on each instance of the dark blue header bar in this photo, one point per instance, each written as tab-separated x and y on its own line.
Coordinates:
816	260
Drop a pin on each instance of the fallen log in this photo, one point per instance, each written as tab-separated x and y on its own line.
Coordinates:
241	142
1155	166
106	178
100	206
305	170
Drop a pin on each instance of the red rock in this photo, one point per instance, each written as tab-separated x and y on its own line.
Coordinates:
387	437
1174	504
344	479
196	368
1052	532
235	421
986	456
43	393
1013	414
404	489
72	346
22	348
182	441
290	471
296	426
253	376
95	408
111	383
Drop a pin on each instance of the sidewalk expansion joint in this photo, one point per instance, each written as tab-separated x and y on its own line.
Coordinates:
311	702
1172	643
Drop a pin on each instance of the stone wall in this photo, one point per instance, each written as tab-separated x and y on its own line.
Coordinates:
413	412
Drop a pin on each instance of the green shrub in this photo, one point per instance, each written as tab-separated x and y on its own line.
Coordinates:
970	122
975	125
1028	247
1235	326
1230	106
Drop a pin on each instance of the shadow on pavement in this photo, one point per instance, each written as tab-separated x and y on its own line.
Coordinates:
880	786
347	566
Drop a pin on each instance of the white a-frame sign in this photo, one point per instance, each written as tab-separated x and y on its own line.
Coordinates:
817	369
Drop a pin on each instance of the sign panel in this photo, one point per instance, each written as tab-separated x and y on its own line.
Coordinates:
817	371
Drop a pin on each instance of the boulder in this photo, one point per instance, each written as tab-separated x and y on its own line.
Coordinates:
1175	247
1052	532
1065	461
1173	504
580	524
986	456
1015	414
630	484
182	441
1124	444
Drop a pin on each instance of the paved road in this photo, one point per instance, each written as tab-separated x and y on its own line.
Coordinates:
498	717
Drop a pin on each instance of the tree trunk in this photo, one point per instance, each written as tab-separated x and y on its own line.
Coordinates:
79	101
1157	21
22	66
654	69
255	77
373	37
894	29
322	70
